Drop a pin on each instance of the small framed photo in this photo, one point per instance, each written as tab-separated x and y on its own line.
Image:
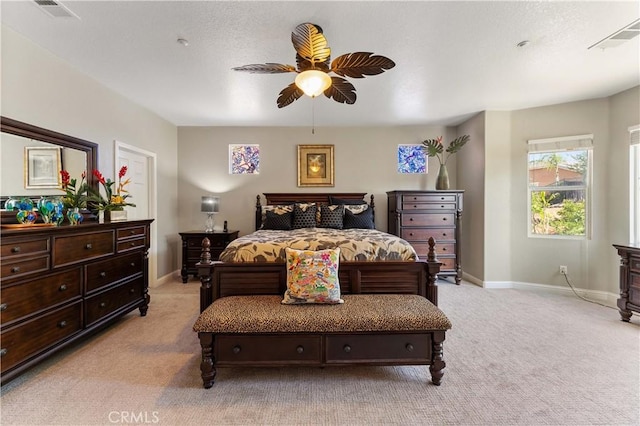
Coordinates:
412	159
244	159
315	165
42	166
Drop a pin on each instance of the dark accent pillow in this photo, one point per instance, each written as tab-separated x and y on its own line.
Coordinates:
331	216
335	200
362	220
304	218
277	221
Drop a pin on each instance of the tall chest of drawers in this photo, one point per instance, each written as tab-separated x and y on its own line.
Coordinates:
59	284
418	215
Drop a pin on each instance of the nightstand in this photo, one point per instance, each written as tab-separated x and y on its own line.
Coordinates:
192	248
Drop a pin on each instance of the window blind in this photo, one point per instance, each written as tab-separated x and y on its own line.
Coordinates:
560	144
634	135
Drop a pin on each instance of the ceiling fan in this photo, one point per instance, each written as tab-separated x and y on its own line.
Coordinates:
313	68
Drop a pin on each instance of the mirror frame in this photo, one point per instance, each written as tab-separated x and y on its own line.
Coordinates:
18	128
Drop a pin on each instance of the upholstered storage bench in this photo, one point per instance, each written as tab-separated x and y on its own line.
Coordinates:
368	329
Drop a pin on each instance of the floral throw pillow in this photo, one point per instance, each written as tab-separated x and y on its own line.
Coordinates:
312	277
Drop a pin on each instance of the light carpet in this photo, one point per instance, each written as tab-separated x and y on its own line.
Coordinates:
513	357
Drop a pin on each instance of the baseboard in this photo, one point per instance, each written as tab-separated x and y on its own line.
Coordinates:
171	276
604	297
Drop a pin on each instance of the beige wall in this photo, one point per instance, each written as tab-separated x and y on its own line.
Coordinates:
40	89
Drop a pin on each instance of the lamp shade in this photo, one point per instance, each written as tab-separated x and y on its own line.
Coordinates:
210	204
313	82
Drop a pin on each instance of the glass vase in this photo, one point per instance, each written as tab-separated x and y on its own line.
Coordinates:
74	216
442	181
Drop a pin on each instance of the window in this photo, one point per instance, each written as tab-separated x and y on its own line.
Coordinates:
559	185
634	184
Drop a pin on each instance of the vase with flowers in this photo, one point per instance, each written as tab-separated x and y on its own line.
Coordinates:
75	197
115	199
435	148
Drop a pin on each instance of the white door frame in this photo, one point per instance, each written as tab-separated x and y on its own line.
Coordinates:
153	196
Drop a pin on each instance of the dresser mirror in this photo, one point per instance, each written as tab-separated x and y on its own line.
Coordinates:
24	146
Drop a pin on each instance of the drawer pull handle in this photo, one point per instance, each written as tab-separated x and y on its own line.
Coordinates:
133	232
444	249
442	198
103	274
444	218
3	307
103	304
411	234
236	349
62	324
15	269
63	287
409	347
444	234
132	244
88	246
410	219
133	264
3	352
300	349
132	290
415	207
442	207
346	348
16	249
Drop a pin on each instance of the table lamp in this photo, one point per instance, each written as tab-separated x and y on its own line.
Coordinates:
210	206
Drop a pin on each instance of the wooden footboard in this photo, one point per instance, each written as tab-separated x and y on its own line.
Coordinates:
220	279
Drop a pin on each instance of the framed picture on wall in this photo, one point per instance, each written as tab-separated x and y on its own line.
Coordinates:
42	166
315	165
244	159
412	159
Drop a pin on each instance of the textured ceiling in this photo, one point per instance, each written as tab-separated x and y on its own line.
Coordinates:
453	59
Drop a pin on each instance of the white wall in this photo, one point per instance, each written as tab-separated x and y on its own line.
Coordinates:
40	89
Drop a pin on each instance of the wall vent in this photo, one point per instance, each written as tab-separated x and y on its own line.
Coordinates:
55	9
623	35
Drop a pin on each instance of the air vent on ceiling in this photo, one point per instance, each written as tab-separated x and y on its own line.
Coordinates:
55	9
621	36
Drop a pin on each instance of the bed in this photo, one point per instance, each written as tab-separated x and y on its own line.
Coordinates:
394	274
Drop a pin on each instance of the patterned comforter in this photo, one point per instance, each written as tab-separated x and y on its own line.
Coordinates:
368	245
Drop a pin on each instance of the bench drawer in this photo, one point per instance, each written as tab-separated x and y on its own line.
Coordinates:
367	348
257	348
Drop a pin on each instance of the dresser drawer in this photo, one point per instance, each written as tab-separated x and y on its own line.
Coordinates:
634	264
428	198
33	336
29	297
429	206
377	347
422	248
425	219
259	348
448	263
133	244
196	243
103	304
76	248
134	231
438	234
14	268
102	273
11	249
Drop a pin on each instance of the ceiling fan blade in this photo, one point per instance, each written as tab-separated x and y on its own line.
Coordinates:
360	64
310	43
288	95
268	68
304	65
341	91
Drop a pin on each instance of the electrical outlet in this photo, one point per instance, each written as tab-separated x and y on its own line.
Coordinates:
563	269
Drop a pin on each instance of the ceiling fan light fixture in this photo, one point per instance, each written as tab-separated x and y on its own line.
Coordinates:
313	82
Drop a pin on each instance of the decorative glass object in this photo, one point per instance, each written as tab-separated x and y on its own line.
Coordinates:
442	181
26	215
74	216
50	209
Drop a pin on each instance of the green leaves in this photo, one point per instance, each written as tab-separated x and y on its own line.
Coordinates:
435	148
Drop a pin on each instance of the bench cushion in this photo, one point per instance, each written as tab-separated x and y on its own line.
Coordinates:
359	313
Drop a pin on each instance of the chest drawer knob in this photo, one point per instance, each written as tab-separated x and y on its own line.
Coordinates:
3	307
15	269
3	352
133	264
444	218
62	324
16	249
236	349
103	304
132	290
63	287
88	246
132	244
409	347
411	234
103	274
300	349
410	219
346	348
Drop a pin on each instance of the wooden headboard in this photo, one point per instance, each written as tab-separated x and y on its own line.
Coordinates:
280	198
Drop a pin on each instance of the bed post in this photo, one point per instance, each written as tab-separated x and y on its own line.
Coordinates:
258	213
434	267
204	273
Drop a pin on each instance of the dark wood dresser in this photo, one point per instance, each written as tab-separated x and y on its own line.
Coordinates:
192	248
417	215
61	283
629	300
